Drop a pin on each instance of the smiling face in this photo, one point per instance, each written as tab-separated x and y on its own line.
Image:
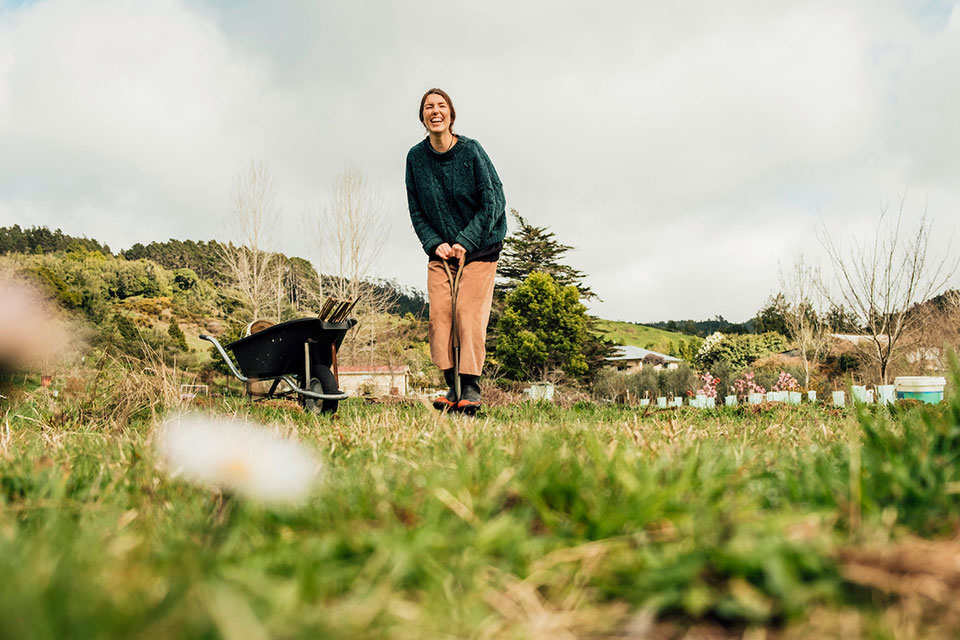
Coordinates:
437	113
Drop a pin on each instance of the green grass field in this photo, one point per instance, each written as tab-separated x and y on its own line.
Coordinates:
627	333
533	521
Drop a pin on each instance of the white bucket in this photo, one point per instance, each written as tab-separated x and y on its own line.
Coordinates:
662	403
730	401
812	396
927	389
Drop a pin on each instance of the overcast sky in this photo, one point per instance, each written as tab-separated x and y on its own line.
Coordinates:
684	148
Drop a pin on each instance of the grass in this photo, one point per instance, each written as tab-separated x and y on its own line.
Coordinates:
534	521
638	335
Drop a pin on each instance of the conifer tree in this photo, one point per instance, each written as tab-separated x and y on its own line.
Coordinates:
531	248
176	334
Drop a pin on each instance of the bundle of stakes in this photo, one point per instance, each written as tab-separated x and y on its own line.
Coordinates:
336	310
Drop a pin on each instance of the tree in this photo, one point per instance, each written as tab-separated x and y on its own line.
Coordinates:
176	335
543	328
253	220
800	289
738	350
841	320
530	249
349	234
772	317
880	278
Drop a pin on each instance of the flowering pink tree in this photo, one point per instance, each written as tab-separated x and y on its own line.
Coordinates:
709	387
786	382
746	385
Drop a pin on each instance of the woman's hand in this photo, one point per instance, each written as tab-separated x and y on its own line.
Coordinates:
445	252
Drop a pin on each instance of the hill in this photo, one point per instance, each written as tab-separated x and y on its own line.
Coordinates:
629	333
703	328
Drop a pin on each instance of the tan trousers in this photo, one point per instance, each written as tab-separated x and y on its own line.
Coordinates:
473	314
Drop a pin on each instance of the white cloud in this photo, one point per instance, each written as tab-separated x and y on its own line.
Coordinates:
708	134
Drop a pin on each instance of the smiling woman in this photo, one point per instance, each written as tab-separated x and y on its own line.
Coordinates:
457	208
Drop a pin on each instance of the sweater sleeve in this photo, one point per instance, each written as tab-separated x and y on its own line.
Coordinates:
429	238
492	204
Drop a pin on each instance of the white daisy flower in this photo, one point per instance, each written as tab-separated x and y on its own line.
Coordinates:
238	456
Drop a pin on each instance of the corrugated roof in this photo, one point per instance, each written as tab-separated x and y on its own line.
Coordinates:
630	352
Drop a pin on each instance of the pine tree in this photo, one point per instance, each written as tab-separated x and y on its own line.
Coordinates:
530	249
176	334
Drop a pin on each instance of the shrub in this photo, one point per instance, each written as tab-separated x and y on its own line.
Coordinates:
726	374
543	327
185	279
739	350
610	385
678	381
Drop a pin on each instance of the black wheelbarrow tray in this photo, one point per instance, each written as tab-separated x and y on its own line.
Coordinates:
302	353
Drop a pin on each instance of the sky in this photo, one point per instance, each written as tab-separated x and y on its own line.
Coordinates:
687	150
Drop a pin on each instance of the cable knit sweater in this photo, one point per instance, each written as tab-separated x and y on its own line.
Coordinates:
455	197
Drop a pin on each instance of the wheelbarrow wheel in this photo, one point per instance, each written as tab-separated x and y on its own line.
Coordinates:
322	382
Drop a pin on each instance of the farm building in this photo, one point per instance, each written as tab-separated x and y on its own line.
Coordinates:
631	359
381	380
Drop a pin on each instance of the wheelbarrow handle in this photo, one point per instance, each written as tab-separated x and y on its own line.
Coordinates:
312	394
226	358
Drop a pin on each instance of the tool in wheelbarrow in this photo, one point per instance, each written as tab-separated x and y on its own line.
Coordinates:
301	353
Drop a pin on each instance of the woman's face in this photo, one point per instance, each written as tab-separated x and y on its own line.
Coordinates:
436	114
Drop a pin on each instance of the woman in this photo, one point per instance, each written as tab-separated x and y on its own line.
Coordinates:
457	209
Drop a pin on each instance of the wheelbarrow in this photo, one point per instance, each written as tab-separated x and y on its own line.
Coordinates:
301	353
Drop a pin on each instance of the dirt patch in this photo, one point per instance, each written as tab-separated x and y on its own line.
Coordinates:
921	577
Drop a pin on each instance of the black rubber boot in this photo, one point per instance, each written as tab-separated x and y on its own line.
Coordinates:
447	402
469	402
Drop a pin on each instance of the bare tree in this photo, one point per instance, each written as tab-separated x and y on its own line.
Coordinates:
252	220
881	278
349	232
937	332
802	312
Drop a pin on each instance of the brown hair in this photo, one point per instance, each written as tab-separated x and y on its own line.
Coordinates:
439	92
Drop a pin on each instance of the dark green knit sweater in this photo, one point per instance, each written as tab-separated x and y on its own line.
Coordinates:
455	197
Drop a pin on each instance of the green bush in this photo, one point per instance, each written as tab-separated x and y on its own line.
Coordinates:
185	279
740	350
678	381
543	328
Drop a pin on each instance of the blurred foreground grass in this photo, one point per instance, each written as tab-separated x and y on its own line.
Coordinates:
530	522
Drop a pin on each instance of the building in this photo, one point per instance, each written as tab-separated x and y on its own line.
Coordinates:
631	359
381	380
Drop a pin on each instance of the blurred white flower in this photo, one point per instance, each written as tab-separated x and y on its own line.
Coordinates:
238	456
31	337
